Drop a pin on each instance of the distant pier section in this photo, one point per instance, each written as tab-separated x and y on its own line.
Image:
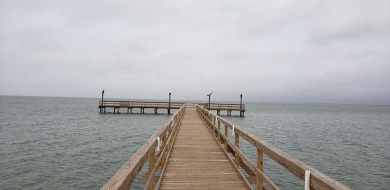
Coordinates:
116	105
142	105
229	108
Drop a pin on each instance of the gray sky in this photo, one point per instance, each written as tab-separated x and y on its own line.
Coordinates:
307	51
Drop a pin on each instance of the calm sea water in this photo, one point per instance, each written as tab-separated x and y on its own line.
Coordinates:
64	143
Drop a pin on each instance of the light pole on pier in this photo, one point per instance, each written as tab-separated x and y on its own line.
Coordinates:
169	104
241	112
209	95
101	106
102	96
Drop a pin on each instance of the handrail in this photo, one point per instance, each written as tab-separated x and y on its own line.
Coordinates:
136	103
139	101
215	106
163	139
317	179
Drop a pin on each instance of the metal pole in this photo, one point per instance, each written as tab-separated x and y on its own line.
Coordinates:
241	105
209	95
209	101
169	104
102	96
101	104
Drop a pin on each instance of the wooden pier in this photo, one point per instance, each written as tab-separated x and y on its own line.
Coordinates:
193	151
197	161
229	108
142	105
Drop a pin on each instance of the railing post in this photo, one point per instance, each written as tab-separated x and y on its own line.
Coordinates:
169	128
226	134
151	167
213	125
219	130
237	144
260	166
307	180
170	134
164	144
173	123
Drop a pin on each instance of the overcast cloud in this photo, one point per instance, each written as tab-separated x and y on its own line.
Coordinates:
310	51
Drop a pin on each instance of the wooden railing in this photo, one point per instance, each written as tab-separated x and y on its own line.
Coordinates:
157	150
312	177
214	106
139	104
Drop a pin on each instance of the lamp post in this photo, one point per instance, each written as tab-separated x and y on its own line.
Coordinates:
169	104
209	95
102	96
101	104
241	113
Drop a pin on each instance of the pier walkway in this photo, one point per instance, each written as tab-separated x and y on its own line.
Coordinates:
193	150
197	162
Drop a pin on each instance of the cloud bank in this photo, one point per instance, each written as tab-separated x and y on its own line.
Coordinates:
270	51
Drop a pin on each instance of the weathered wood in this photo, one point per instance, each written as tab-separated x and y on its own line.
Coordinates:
249	165
123	178
219	129
267	180
198	157
151	167
226	139
126	174
298	168
260	167
196	160
237	146
142	105
222	106
230	148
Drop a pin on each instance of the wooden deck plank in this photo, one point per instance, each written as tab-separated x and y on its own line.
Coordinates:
196	160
